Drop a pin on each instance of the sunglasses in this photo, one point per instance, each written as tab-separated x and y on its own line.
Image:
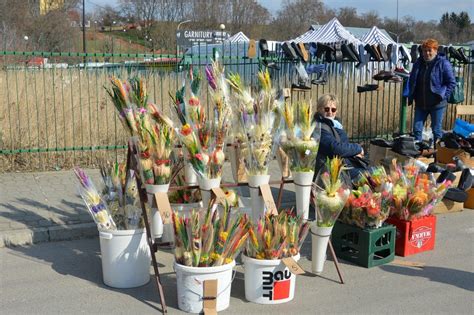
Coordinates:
327	109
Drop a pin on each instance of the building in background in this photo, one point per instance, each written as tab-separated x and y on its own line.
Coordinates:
42	7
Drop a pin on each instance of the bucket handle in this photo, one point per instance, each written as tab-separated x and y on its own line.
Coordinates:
104	235
234	273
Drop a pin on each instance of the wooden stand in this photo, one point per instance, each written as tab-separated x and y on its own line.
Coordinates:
132	164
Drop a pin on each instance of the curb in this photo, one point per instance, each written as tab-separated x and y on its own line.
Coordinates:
51	234
56	233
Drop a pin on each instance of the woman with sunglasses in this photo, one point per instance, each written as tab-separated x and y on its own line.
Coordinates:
334	140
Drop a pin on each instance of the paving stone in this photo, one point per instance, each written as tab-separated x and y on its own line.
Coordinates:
63	232
45	223
18	225
24	237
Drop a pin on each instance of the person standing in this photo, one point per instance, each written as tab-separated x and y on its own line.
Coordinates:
430	84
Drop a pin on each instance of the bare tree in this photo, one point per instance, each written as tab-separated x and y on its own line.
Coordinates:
296	16
144	11
23	27
348	17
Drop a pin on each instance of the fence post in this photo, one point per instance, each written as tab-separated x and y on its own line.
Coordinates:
403	109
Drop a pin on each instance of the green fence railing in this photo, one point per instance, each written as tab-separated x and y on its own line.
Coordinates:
57	114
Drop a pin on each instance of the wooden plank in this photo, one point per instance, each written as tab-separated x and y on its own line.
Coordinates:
464	110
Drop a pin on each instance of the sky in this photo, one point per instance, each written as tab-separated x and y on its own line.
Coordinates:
424	10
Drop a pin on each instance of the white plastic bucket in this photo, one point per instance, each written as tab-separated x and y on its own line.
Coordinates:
190	283
302	181
190	176
206	185
156	222
256	200
268	281
125	258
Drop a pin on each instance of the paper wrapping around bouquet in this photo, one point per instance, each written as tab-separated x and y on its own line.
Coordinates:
237	164
156	220
256	199
319	244
283	162
190	176
303	181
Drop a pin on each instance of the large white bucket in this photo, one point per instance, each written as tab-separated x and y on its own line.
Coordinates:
125	258
256	200
156	222
302	181
268	281
319	245
190	283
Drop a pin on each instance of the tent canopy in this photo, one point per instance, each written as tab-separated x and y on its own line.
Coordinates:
376	36
331	32
238	37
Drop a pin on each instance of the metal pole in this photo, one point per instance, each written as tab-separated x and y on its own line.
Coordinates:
403	109
84	30
398	30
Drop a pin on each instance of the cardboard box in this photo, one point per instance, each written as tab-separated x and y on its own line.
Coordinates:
414	236
445	155
448	206
400	158
377	154
469	203
458	175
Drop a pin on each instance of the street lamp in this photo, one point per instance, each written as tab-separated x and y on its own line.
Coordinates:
26	41
177	29
222	28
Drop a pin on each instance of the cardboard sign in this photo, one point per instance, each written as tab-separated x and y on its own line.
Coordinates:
220	195
293	266
252	50
268	199
164	207
210	297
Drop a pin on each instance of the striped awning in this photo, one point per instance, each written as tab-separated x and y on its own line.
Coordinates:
331	32
376	36
238	37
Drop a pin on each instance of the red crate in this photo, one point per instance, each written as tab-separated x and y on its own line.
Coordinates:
414	236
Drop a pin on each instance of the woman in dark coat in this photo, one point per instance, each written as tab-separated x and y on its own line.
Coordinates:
334	140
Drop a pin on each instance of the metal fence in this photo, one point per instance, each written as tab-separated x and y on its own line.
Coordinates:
58	114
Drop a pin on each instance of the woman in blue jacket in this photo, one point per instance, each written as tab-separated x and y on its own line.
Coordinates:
430	84
334	140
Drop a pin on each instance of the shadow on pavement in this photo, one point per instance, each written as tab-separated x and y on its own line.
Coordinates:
458	278
81	259
29	217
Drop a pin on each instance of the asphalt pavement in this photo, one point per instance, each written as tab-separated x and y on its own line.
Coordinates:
65	277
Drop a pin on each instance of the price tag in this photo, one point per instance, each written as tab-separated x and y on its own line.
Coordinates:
268	199
210	297
164	207
220	195
293	266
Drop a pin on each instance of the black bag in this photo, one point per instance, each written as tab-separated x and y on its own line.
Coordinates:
358	162
457	96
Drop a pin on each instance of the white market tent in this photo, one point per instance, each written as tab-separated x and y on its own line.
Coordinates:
238	37
376	36
331	32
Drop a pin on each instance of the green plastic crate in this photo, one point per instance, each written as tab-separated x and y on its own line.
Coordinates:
364	247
